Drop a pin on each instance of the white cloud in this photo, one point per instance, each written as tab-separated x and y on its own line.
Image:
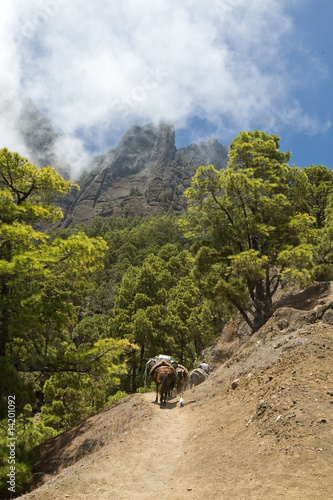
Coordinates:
101	65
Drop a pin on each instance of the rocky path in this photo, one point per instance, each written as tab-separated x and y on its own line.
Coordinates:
141	465
212	448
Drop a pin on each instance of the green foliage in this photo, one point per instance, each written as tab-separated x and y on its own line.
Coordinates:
150	387
134	191
118	396
27	192
251	235
131	240
28	435
69	398
160	309
324	251
73	394
312	189
89	330
126	210
39	284
38	275
13	384
312	194
258	154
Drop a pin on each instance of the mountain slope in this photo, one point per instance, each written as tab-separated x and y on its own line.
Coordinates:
260	427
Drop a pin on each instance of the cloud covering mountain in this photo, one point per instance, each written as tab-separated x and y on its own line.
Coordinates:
96	67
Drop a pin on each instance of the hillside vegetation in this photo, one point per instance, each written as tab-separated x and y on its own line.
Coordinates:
260	426
82	309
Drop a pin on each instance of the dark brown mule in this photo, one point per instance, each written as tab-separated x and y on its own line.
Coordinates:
164	376
181	378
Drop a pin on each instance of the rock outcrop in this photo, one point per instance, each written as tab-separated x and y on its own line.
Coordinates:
143	174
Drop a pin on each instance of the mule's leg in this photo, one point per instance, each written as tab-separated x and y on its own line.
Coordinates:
164	388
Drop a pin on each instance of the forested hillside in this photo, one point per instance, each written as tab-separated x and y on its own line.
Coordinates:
83	308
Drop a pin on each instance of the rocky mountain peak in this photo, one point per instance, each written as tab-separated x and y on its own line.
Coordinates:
206	152
164	147
134	150
143	174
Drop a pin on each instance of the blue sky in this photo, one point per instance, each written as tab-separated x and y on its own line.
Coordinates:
314	25
215	68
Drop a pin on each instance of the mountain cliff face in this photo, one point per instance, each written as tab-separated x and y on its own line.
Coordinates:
143	174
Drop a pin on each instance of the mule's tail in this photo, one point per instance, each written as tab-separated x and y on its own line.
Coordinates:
164	384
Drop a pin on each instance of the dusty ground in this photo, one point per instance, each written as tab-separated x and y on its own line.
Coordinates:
261	427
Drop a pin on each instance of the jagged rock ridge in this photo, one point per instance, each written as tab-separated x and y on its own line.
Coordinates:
143	174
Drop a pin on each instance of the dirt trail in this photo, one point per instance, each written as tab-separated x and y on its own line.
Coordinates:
137	466
211	448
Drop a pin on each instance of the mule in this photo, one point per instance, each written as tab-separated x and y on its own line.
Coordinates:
164	376
181	378
197	376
